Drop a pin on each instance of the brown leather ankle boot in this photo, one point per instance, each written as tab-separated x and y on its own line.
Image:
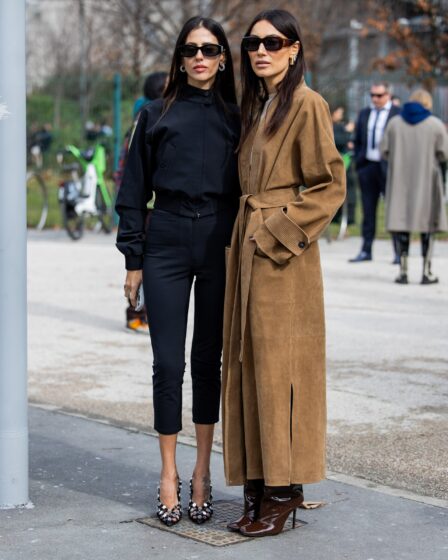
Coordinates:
276	505
253	492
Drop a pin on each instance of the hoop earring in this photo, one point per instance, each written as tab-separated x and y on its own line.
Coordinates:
222	66
182	68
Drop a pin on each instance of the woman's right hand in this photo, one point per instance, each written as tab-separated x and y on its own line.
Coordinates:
131	285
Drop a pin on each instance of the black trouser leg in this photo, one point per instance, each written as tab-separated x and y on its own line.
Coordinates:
371	183
427	240
351	196
178	249
206	347
402	242
209	269
167	278
396	244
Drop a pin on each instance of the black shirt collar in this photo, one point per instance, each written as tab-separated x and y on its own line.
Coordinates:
204	96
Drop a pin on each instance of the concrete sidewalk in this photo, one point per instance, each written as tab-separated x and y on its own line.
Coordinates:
387	354
91	481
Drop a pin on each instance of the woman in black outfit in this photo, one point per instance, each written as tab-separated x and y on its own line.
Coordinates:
183	149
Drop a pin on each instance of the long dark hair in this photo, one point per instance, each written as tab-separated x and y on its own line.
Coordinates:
254	91
224	84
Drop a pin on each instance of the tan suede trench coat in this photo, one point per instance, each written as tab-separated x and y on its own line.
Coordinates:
274	399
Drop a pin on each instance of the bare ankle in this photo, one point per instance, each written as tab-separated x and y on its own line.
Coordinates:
201	475
169	474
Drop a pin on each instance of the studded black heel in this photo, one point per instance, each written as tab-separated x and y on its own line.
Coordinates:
166	515
200	514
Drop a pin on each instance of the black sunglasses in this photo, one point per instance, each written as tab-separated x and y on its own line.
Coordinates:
209	50
377	94
271	43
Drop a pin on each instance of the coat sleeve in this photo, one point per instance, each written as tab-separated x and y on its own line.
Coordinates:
385	143
442	143
134	194
291	229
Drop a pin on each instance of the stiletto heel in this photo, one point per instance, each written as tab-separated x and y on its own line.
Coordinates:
200	514
171	516
277	504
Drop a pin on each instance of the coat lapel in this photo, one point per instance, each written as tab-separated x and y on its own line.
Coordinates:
271	147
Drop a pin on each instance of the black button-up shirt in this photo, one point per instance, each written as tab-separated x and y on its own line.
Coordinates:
187	154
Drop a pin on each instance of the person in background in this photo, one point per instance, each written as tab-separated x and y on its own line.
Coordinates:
39	142
415	144
396	100
154	86
344	143
371	168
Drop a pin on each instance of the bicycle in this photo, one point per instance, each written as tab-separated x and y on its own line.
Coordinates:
36	193
86	198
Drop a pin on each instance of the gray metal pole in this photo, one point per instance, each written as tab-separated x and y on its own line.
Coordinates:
13	326
82	66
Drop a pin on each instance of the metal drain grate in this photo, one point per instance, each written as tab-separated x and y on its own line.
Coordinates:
213	532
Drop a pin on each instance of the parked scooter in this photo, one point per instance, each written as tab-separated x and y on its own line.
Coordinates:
85	197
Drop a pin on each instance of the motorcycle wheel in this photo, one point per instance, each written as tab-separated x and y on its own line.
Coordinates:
105	214
73	223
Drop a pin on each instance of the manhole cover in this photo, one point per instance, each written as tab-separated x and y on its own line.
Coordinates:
213	532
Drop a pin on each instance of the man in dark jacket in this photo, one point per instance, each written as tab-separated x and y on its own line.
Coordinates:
372	170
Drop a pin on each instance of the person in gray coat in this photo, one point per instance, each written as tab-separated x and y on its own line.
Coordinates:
415	143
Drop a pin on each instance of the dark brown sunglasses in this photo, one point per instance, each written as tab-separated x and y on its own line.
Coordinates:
252	43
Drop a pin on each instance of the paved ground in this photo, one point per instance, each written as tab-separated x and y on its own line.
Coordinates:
89	482
387	355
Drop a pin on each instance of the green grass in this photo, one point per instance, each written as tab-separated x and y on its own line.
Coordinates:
381	233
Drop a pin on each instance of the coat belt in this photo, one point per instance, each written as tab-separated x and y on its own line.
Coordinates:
250	218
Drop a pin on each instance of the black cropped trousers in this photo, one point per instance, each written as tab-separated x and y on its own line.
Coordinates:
181	249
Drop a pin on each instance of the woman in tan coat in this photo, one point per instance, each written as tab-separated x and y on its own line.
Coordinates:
415	143
293	182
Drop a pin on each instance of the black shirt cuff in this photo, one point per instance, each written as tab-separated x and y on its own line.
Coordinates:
134	262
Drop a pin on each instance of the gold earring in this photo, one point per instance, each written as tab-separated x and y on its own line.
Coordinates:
292	59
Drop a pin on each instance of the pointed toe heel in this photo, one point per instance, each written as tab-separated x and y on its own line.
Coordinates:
200	514
253	493
276	506
170	516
